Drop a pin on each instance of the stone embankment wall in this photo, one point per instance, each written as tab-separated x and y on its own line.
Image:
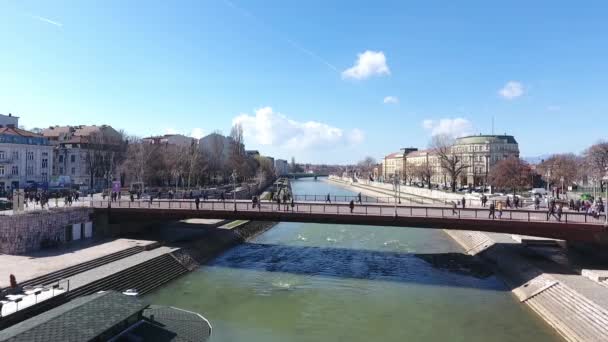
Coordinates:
559	299
413	190
219	240
22	233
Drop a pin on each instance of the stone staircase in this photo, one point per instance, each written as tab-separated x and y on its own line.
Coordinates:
575	317
144	277
82	267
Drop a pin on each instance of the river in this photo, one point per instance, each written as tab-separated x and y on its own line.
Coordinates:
321	282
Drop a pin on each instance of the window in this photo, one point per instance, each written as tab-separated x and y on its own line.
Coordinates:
1	170
61	159
15	170
61	171
1	155
29	156
45	163
73	170
15	155
45	177
29	170
73	158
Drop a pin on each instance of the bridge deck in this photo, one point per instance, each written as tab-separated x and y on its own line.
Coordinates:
572	226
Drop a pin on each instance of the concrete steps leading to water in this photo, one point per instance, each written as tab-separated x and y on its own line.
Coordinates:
144	277
575	317
82	267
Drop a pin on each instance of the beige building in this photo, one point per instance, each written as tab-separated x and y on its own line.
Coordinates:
479	152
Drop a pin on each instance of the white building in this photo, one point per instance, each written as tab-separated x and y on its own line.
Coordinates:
26	158
281	167
84	155
171	139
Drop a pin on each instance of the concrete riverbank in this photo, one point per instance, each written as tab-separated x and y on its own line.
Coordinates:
542	274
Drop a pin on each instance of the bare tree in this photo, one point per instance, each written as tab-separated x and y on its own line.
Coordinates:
366	166
596	163
511	173
452	164
559	169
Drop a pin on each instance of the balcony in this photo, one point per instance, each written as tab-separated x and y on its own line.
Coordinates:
7	160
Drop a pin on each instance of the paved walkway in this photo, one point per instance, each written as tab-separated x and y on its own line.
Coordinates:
39	263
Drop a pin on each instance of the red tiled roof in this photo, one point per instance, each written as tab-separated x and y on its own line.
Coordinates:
18	132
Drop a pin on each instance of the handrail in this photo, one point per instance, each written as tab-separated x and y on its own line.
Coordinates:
366	209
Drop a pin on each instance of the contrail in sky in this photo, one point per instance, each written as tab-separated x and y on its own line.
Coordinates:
48	21
284	37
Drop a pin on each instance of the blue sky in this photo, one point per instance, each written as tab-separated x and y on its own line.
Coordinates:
287	70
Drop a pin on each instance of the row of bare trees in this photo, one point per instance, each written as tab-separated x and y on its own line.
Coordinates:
190	166
590	167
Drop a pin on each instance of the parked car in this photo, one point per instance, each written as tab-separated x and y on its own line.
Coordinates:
538	191
5	204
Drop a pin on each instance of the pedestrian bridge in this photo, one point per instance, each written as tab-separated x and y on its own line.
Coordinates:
572	226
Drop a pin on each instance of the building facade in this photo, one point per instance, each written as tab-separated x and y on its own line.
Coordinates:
26	158
281	167
84	155
480	153
170	139
394	163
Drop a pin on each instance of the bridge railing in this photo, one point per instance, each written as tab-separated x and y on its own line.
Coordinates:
365	209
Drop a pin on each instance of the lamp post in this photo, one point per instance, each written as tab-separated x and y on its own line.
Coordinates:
606	199
234	176
395	190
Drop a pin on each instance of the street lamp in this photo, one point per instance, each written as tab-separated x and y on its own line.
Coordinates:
606	199
234	176
395	190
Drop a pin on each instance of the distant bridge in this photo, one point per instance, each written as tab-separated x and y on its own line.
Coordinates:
305	175
572	227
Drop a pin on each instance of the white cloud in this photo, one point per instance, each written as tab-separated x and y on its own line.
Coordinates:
197	133
369	63
511	90
48	21
391	99
268	127
457	127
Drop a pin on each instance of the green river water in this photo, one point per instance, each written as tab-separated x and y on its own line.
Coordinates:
321	282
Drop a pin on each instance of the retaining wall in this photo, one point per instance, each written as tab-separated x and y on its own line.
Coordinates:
22	233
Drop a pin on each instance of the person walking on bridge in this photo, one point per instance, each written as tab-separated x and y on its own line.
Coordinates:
484	200
536	202
492	213
254	202
559	212
454	206
551	210
293	204
464	202
328	199
351	205
197	202
131	197
359	198
500	206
